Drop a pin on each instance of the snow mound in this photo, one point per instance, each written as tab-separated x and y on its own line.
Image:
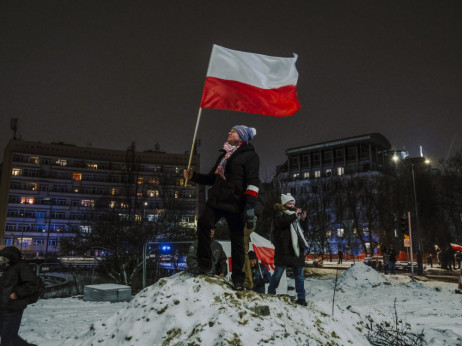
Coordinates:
360	276
187	310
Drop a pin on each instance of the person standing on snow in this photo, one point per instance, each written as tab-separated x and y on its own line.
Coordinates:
260	275
235	184
17	284
289	245
219	265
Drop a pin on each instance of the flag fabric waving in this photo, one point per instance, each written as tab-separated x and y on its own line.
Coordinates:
253	83
456	247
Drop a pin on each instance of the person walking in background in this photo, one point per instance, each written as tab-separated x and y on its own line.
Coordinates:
235	184
219	266
430	260
18	286
386	260
260	275
392	258
340	256
289	245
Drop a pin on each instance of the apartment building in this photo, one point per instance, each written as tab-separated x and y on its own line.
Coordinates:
51	191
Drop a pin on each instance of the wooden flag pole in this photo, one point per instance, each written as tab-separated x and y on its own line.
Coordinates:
193	142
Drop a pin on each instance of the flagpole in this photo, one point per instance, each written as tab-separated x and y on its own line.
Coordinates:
193	142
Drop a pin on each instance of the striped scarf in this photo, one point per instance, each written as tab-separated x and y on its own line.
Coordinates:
230	149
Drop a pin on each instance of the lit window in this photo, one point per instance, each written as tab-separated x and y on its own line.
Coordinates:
153	193
340	170
180	182
137	217
177	170
28	200
306	175
76	190
140	181
296	175
112	204
16	171
88	203
34	159
113	191
176	194
92	165
154	181
85	229
340	232
77	176
317	174
139	194
33	186
61	162
329	172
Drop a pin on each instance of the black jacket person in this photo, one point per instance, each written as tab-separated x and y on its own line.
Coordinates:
233	195
17	284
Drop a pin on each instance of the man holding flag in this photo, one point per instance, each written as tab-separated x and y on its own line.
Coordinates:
244	82
235	184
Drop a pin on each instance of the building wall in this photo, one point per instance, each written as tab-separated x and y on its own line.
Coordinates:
49	191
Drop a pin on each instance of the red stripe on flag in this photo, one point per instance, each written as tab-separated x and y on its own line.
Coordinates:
237	96
264	254
456	247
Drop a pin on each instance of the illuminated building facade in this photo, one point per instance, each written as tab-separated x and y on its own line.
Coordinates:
52	191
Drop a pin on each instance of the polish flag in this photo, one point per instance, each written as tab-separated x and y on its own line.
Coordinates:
456	247
253	83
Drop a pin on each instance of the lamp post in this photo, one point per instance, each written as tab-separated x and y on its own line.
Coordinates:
49	226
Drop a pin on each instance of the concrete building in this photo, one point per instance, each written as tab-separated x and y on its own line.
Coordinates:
51	191
316	173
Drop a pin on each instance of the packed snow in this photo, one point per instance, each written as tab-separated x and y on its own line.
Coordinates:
188	310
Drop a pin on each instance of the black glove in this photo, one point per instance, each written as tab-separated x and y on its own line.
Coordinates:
249	218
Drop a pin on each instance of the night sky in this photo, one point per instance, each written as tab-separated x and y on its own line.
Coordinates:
111	72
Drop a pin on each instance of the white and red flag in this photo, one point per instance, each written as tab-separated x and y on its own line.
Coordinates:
456	247
253	83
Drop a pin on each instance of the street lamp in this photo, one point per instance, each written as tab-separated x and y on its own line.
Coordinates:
49	226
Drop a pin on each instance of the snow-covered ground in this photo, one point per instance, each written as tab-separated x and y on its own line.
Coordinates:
186	310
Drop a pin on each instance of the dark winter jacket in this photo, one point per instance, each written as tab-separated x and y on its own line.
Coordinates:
219	265
284	254
19	278
242	170
260	277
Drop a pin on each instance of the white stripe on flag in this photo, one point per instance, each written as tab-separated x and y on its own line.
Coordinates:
262	71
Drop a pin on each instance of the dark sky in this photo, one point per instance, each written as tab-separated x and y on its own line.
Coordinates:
112	72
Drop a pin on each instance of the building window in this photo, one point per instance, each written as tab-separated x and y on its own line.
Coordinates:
112	204
52	242
90	203
75	202
153	193
306	175
28	200
180	182
316	159
328	172
140	181
139	194
76	176
137	217
40	214
296	175
43	187
85	229
340	232
38	242
39	228
92	165
61	162
317	174
34	159
16	171
113	191
340	170
46	162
